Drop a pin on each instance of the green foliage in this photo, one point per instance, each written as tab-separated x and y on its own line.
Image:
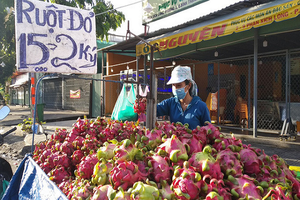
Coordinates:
7	40
104	22
26	125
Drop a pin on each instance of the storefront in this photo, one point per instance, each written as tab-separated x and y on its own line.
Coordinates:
247	52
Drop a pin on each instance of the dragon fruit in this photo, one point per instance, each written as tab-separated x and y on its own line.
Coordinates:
58	174
45	166
244	187
165	191
142	191
201	134
186	182
215	189
127	151
105	192
76	157
212	132
159	168
100	173
205	164
65	186
67	148
192	142
125	174
78	142
106	151
250	161
86	166
90	144
81	125
59	135
62	159
152	138
168	128
123	195
223	143
174	148
83	190
230	163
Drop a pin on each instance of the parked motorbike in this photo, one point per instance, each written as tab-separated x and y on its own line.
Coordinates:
5	168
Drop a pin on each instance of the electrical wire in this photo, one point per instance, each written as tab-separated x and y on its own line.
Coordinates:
118	8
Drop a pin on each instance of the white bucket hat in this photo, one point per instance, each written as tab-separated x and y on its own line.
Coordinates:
180	74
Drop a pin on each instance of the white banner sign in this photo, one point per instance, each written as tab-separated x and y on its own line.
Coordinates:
52	38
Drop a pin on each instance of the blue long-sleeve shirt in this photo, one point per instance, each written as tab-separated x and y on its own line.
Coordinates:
195	114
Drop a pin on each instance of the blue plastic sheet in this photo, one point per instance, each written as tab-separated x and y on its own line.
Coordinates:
31	182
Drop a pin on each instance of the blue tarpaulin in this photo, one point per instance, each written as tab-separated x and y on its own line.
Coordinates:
31	182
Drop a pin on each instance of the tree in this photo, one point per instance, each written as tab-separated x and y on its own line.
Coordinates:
110	19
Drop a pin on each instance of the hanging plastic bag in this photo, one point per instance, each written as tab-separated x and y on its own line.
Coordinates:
123	109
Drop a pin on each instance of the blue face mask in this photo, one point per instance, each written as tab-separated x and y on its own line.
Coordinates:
179	93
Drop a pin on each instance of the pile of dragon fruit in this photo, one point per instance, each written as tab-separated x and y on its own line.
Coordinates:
139	106
105	159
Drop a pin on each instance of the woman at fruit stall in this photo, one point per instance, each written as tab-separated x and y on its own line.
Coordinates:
185	106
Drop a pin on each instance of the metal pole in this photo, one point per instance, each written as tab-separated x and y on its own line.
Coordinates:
34	112
145	69
137	77
287	86
150	100
255	83
63	86
103	88
218	109
249	90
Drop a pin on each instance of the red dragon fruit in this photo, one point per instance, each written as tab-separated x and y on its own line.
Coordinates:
76	157
215	189
192	142
201	135
244	187
39	148
78	142
86	166
230	163
140	105
58	174
46	167
205	164
59	135
67	148
250	161
81	125
83	191
65	186
212	132
174	148
90	144
186	182
46	153
63	160
125	174
168	128
152	138
232	143
159	168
